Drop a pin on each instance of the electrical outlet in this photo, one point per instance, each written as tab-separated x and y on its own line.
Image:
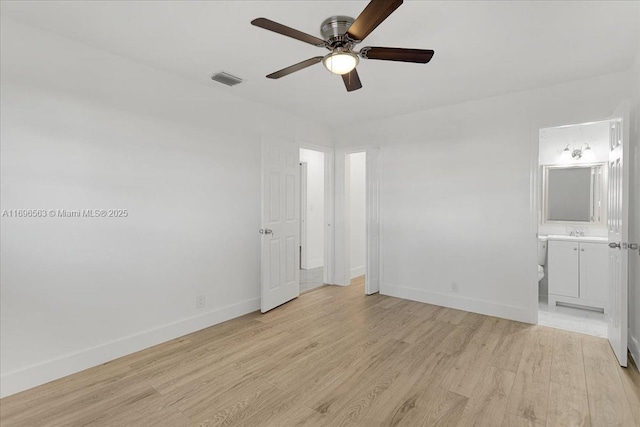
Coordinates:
454	287
201	302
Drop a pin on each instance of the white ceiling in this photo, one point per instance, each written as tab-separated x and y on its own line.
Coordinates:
482	48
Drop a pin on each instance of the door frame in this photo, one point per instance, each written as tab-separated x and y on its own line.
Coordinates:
329	212
303	214
342	245
535	200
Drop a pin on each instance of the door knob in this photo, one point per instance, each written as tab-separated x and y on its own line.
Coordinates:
266	231
614	245
633	246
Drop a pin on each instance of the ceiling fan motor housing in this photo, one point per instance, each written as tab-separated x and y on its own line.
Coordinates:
334	28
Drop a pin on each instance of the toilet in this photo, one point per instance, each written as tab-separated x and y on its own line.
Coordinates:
542	256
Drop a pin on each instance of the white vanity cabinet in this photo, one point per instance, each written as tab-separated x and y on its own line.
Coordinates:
578	272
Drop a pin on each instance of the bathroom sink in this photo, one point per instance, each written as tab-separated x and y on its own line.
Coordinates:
577	238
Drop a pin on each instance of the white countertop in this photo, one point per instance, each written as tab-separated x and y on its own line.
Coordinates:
586	239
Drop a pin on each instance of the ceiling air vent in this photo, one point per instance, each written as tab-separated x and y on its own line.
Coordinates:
226	79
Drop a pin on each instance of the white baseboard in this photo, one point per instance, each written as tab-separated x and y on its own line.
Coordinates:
357	272
14	382
634	348
315	263
520	314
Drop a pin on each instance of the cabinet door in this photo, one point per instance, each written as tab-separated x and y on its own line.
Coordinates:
563	268
594	272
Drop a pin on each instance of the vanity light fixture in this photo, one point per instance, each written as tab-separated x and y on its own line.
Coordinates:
577	153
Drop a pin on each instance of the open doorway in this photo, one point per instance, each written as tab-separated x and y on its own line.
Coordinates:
357	166
356	205
573	251
584	214
312	219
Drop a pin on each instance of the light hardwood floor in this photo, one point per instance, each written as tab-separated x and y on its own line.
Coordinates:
335	357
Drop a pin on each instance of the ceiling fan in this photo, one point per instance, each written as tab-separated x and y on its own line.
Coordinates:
340	35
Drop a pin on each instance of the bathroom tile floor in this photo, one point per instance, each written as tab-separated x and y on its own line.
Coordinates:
571	319
311	279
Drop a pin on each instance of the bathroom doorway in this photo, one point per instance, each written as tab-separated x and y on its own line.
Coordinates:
573	261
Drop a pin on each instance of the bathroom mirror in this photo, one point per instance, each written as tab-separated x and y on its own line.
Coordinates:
574	194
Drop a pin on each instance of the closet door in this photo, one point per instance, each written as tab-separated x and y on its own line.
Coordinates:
563	268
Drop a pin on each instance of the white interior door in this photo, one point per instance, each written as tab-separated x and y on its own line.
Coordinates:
281	223
372	267
618	225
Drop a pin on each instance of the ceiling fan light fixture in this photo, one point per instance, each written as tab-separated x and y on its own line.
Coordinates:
340	62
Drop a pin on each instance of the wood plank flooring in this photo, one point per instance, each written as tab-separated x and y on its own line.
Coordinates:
334	357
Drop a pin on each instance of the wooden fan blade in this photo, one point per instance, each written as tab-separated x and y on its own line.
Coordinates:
372	16
352	80
421	56
267	24
297	67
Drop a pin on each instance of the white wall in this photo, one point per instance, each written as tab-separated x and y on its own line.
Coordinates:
552	143
84	129
315	207
357	213
634	223
458	194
